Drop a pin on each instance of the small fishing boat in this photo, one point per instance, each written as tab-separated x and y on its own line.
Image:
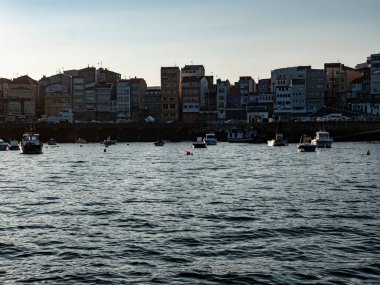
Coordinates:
322	140
13	145
159	143
278	141
3	145
305	144
200	143
211	139
241	135
52	142
30	143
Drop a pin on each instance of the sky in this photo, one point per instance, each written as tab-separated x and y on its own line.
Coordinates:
229	38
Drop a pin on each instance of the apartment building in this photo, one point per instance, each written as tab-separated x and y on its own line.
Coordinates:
123	100
22	94
153	102
297	90
222	90
170	93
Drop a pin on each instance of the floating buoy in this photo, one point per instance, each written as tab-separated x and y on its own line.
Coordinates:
368	152
189	153
105	149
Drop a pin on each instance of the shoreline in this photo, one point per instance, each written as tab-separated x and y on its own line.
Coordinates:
144	132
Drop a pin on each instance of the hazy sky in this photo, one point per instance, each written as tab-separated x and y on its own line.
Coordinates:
230	38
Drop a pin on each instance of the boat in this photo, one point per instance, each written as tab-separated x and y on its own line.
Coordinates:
52	142
322	140
30	143
200	143
3	145
241	136
108	141
305	144
278	141
13	145
80	140
159	143
211	139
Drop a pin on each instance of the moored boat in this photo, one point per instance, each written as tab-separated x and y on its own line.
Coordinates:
3	145
211	139
241	136
13	145
80	140
200	143
30	143
52	142
279	140
159	143
322	140
305	144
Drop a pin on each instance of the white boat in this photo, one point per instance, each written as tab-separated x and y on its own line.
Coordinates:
241	136
30	143
305	144
211	139
200	143
278	141
3	145
322	140
13	145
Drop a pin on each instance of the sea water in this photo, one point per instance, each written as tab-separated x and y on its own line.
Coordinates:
229	214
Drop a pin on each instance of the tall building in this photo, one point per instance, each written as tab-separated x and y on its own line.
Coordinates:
339	78
297	90
170	93
222	90
192	97
123	102
78	91
374	64
246	85
138	90
153	102
192	70
4	83
55	94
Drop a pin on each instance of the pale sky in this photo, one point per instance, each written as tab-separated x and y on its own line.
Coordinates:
230	38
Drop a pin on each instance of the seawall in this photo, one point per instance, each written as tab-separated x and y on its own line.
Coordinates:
144	132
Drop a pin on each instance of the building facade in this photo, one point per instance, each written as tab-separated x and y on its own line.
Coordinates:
170	93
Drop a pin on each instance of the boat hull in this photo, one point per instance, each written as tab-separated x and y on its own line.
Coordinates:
199	145
322	143
277	143
30	148
306	148
211	141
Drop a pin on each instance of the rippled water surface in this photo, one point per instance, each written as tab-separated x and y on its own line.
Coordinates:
228	214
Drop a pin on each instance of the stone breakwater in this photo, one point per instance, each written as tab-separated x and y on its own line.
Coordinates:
144	132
